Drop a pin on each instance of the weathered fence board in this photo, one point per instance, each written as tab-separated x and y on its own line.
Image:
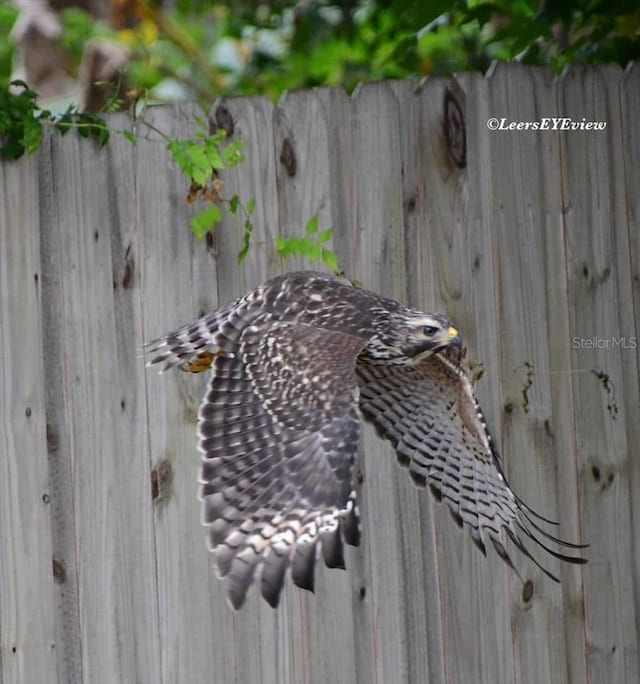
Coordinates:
523	193
597	235
530	240
630	100
27	610
99	420
462	270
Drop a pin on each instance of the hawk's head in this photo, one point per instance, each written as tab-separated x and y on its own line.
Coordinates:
406	337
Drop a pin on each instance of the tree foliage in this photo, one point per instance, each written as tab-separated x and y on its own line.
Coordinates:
203	49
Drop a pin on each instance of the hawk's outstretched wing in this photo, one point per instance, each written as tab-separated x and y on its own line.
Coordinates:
431	417
279	430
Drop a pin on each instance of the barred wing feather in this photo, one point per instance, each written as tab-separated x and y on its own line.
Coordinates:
431	417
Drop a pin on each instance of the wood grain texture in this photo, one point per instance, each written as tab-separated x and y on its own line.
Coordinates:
458	267
27	606
529	241
103	531
526	200
630	102
597	240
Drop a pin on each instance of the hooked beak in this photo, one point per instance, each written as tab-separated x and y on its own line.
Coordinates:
449	338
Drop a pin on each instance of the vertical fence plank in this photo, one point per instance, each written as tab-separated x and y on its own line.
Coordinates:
27	611
597	239
341	214
103	531
62	484
527	204
455	257
630	101
255	179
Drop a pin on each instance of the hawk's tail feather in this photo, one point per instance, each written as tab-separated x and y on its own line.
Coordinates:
211	334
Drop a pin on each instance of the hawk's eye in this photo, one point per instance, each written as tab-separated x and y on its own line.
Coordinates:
430	330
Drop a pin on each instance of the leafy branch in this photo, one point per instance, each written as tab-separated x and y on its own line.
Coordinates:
311	246
200	158
22	122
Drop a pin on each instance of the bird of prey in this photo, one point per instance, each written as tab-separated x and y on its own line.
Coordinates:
296	363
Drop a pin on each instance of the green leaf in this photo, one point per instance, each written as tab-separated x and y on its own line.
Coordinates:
218	137
131	137
281	246
251	206
312	225
201	170
64	123
32	135
213	154
288	246
12	149
314	253
306	247
19	83
325	236
234	203
330	260
232	153
179	155
246	240
205	220
102	133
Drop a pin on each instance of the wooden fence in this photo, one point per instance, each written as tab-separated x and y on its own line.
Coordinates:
529	239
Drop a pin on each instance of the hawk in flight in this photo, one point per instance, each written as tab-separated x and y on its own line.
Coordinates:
297	363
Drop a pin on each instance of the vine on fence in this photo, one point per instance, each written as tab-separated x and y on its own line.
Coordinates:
311	246
22	121
199	158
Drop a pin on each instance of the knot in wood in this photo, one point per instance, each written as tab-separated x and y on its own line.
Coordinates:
224	121
455	133
288	157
